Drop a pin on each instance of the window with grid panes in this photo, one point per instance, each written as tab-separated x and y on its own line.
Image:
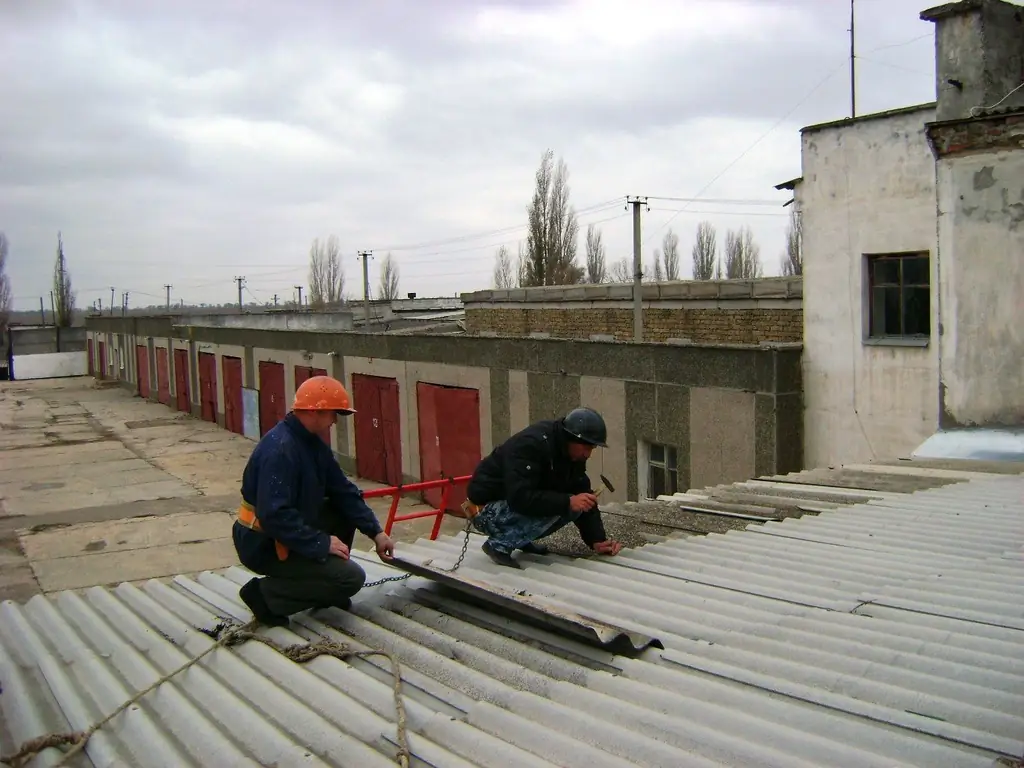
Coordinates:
899	296
662	475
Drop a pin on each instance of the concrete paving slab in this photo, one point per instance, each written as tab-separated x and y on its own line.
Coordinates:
125	535
133	565
71	481
57	500
63	470
44	456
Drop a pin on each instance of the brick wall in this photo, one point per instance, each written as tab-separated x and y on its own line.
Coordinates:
996	130
701	326
711	312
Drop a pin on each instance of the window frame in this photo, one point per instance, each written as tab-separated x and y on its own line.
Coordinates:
669	465
870	284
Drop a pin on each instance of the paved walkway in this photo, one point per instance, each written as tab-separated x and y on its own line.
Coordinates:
99	487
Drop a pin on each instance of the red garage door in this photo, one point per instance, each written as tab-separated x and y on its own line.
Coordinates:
208	386
163	376
449	432
103	360
142	369
234	420
181	372
378	428
89	352
272	402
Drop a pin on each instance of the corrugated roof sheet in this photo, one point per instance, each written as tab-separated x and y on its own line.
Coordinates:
888	632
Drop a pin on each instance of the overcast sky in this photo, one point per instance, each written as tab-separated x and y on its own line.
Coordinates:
188	142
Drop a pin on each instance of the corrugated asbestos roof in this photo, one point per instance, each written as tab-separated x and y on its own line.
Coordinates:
888	632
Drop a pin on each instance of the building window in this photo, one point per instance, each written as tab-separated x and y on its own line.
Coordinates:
899	290
662	475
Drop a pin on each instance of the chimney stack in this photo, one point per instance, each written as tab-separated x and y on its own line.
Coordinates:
979	56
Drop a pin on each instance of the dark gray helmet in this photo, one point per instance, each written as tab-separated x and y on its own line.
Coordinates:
585	425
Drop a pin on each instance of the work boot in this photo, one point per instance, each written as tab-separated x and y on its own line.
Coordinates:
253	598
499	558
533	548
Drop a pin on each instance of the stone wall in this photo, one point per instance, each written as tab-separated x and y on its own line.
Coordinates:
701	312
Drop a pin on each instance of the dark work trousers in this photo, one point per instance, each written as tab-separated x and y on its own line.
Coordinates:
507	530
300	584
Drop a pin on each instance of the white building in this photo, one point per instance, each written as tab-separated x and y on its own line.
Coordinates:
913	242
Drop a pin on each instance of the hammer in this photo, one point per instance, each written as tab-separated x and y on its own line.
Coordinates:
605	483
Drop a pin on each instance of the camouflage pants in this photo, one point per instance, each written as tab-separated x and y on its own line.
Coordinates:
507	530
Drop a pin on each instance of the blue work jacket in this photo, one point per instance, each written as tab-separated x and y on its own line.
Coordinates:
288	478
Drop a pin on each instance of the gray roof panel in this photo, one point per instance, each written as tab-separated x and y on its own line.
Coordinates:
884	632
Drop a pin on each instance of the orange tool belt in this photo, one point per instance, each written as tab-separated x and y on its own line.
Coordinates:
247	517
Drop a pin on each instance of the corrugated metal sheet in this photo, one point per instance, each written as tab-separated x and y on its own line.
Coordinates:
885	633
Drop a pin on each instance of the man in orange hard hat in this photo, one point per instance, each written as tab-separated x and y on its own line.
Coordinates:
299	513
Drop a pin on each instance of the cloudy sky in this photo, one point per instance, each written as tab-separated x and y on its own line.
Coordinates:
188	142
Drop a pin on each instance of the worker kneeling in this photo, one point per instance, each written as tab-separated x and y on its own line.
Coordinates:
535	483
299	513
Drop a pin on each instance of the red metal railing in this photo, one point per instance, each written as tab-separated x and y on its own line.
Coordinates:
396	491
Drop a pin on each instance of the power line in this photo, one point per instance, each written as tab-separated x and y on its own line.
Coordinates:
782	119
712	200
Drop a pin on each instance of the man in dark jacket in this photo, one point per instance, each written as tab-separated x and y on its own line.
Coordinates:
299	513
535	483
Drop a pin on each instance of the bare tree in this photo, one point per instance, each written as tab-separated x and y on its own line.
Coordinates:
326	273
622	271
742	255
793	259
389	278
63	296
5	283
670	255
705	252
503	273
553	228
656	273
597	268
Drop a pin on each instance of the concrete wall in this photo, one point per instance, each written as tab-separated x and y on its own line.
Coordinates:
36	340
53	365
702	312
731	413
868	188
981	262
279	321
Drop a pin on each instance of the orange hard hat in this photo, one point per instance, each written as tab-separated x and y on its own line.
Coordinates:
322	393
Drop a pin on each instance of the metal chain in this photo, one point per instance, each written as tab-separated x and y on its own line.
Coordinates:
404	576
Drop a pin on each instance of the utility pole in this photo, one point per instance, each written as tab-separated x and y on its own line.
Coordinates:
366	256
638	273
241	282
168	287
299	289
275	299
42	311
124	305
111	300
53	309
853	63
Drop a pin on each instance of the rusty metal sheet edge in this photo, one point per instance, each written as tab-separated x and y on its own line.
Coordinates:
593	631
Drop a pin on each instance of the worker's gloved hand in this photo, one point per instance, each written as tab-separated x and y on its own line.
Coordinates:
582	502
338	548
608	547
385	546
